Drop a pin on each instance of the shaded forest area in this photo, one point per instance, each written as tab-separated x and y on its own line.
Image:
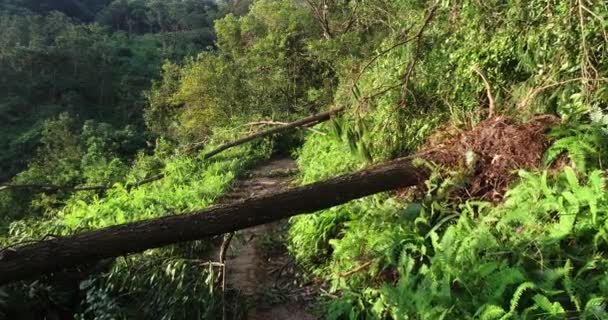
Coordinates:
91	60
484	124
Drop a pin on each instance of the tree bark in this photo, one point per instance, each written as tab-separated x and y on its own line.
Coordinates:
47	256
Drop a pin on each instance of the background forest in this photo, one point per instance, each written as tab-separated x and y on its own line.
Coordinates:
502	101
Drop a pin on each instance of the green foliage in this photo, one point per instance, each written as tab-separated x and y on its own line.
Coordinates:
52	65
189	182
261	70
536	256
149	16
323	155
539	254
97	154
401	70
92	155
167	283
54	60
585	145
162	285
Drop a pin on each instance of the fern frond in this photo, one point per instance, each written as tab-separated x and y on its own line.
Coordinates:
569	285
519	292
596	308
554	309
492	312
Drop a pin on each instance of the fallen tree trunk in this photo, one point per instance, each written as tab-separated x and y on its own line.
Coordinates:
47	256
289	126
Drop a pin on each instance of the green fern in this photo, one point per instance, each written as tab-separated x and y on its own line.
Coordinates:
553	309
516	299
492	312
569	286
595	308
583	143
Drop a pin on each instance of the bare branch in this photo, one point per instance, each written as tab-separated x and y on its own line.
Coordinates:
356	269
312	119
492	107
418	37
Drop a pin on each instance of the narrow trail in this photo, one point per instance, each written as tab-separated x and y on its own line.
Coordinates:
257	279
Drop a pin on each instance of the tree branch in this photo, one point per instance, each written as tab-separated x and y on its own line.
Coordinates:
356	269
50	187
492	107
418	37
285	127
312	119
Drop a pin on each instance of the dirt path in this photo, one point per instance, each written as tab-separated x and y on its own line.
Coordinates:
257	275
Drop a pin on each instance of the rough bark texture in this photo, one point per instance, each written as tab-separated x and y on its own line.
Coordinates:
53	255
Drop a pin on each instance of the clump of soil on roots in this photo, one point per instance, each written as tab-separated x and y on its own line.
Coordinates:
499	146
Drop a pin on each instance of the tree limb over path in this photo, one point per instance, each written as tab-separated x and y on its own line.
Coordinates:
321	117
50	187
53	255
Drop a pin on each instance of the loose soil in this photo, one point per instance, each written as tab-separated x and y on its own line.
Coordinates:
495	148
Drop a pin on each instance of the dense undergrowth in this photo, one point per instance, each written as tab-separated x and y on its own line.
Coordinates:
411	75
440	254
537	255
172	281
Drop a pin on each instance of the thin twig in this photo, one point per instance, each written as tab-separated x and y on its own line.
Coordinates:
418	37
351	19
324	116
333	296
533	93
383	52
278	123
57	188
356	269
602	21
322	19
585	60
50	187
492	107
383	91
211	264
223	253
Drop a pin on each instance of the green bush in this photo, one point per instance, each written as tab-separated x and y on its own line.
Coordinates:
166	283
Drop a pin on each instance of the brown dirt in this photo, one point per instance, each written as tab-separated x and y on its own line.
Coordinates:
500	145
253	274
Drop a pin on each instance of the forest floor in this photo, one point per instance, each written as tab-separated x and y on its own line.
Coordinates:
262	280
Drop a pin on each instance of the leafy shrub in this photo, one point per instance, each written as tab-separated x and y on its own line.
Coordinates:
536	255
166	283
